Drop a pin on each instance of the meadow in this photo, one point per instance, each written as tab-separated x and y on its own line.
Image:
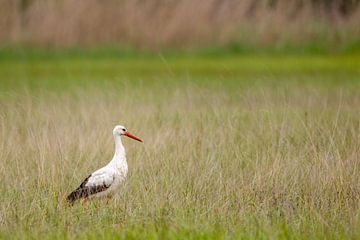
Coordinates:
235	147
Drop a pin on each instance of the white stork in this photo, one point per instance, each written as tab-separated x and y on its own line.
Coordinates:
104	181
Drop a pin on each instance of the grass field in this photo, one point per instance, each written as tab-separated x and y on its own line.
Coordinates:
234	146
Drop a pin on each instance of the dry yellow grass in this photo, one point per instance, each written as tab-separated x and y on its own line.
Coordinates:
261	160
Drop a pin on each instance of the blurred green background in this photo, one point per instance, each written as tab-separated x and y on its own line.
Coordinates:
86	42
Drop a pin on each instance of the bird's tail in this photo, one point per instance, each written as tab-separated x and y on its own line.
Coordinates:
75	195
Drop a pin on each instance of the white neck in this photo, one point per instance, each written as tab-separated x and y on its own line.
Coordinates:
119	159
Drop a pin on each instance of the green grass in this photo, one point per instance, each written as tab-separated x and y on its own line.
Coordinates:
61	70
236	147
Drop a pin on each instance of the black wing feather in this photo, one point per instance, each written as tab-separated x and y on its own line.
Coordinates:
83	192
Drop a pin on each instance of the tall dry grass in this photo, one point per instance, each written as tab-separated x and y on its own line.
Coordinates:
212	156
168	24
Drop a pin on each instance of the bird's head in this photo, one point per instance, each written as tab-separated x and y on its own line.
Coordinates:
122	131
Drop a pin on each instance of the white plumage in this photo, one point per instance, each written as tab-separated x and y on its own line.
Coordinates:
105	181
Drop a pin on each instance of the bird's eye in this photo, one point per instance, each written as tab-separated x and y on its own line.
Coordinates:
123	129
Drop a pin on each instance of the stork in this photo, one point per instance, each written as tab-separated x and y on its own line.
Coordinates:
104	181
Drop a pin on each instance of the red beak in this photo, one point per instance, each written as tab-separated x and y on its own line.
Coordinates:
132	136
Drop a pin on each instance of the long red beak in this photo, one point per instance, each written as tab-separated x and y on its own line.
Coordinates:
132	136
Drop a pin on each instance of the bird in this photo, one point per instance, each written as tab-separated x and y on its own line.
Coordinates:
105	181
